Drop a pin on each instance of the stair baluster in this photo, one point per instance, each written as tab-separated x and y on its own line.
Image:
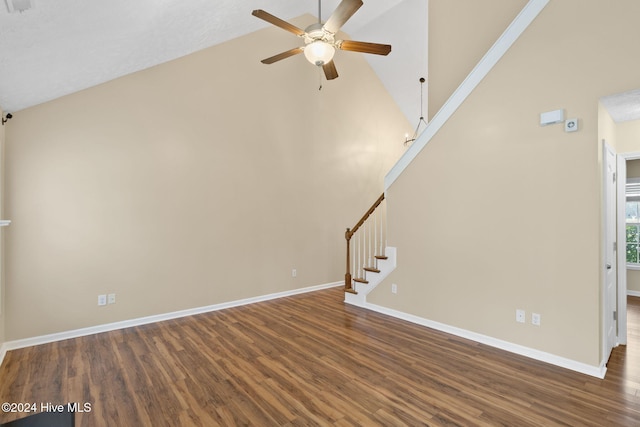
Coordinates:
369	244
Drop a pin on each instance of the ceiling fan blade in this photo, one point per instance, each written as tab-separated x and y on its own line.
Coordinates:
283	55
266	16
343	12
364	47
330	71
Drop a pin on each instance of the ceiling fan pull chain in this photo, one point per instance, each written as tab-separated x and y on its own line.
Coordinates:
319	79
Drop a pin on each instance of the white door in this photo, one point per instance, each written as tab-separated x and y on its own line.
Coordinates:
610	260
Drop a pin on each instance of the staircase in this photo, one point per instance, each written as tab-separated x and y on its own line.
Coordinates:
369	260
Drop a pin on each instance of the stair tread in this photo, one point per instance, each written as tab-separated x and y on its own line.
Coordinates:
381	257
360	280
372	269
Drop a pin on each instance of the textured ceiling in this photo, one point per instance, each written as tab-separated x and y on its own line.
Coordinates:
623	106
63	46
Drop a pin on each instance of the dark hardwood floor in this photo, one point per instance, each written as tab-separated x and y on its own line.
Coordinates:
312	360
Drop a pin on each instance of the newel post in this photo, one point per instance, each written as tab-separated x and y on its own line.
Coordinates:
348	283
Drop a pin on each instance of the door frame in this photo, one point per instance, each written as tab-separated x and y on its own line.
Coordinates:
622	237
608	220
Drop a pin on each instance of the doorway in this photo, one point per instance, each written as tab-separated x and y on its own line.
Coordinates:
623	274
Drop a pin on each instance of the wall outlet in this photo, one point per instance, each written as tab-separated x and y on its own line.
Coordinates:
535	319
102	300
111	299
394	288
520	316
294	273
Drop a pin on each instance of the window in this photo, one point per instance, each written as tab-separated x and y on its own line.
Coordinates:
633	233
632	216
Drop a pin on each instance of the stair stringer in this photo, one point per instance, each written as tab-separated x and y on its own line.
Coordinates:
386	266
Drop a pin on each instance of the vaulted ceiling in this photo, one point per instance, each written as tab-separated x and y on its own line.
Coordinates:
63	46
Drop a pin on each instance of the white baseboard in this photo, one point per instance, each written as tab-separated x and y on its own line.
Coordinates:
633	293
43	339
594	371
3	352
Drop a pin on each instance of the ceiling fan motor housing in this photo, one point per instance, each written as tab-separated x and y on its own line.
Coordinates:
315	32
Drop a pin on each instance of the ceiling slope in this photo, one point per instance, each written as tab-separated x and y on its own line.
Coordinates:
62	47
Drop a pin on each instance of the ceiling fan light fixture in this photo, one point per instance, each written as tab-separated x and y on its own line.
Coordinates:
320	42
319	52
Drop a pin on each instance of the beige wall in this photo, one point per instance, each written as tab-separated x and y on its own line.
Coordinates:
607	128
498	213
460	33
629	136
196	182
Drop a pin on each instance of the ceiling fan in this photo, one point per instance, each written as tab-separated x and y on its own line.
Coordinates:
320	43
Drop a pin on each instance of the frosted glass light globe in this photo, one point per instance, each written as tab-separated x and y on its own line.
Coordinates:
319	52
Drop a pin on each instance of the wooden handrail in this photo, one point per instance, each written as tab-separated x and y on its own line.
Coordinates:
348	283
350	232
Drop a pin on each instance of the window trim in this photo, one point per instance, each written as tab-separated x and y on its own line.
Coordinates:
632	193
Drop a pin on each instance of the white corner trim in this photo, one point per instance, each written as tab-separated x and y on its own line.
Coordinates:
43	339
633	293
531	10
594	371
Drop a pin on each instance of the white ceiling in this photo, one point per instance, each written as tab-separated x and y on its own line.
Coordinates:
623	106
63	46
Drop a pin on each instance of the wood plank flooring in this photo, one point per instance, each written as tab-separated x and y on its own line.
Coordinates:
312	360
